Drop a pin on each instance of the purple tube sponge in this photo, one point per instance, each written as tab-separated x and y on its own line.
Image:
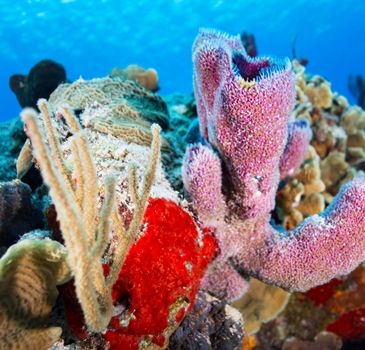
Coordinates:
299	136
321	247
202	175
244	106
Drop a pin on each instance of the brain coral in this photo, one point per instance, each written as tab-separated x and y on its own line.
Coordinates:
116	106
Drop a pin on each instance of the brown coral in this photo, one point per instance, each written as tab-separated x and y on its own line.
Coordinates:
322	341
302	195
261	303
318	91
148	78
338	145
335	171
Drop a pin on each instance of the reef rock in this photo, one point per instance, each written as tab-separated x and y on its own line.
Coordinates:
17	212
211	325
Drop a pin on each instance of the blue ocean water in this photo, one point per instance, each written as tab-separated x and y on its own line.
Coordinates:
90	37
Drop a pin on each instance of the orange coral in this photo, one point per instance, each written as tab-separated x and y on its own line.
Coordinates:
148	78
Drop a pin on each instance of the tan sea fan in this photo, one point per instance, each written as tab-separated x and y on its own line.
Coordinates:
29	273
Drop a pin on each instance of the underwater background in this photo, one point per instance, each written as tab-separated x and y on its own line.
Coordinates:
89	38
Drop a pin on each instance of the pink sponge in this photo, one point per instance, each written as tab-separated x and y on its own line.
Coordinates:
244	106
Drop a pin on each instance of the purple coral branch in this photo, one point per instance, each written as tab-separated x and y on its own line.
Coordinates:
243	106
299	136
321	247
202	175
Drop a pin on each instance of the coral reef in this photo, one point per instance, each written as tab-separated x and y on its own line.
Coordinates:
264	147
244	106
148	78
29	273
41	81
301	195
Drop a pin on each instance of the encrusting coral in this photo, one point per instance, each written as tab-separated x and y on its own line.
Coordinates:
244	106
29	273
